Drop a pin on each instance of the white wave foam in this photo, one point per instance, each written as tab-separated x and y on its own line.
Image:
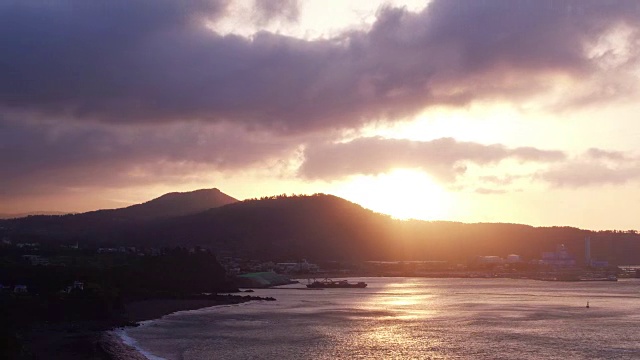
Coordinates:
122	333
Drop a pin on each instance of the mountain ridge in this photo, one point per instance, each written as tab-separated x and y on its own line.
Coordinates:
319	227
178	204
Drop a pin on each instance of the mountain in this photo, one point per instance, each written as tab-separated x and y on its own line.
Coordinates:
174	204
167	205
319	228
324	227
103	226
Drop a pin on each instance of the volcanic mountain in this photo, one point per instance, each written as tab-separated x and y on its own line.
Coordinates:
174	204
107	225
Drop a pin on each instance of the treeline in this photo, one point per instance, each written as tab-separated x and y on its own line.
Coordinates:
176	271
283	196
93	298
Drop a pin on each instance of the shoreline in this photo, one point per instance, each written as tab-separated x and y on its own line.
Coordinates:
101	339
113	346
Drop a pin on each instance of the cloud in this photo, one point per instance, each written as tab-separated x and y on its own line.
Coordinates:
595	167
502	181
582	174
141	92
443	158
596	153
267	11
43	157
155	61
486	191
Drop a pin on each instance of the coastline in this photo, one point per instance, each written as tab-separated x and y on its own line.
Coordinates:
111	343
113	347
102	340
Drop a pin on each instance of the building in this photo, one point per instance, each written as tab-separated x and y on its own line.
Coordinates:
559	258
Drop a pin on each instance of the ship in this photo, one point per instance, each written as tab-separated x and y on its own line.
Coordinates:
335	284
607	278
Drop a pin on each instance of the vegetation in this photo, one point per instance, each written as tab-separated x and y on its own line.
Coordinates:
321	228
88	290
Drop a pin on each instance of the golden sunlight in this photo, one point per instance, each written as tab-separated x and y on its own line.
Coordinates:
402	193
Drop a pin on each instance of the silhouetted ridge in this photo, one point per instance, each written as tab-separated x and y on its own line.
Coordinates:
178	203
108	226
283	227
318	227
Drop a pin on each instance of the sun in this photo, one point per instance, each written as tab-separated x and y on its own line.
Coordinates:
401	193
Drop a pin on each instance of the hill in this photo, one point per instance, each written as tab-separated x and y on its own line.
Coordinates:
174	204
319	228
325	227
102	226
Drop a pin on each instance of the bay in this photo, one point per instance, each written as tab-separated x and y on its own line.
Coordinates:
410	318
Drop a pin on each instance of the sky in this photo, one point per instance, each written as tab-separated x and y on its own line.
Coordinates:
516	111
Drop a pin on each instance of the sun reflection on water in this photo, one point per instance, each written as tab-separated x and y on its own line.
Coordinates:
401	327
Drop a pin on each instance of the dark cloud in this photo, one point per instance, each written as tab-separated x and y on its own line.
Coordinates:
43	157
442	158
154	61
139	92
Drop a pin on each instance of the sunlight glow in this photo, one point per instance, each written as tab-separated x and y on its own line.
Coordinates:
317	19
483	123
402	193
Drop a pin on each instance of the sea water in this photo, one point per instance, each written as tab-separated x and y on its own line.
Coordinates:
411	318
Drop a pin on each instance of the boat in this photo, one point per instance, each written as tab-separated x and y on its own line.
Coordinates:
335	284
608	278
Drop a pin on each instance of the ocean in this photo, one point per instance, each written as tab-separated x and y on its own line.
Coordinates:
410	318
